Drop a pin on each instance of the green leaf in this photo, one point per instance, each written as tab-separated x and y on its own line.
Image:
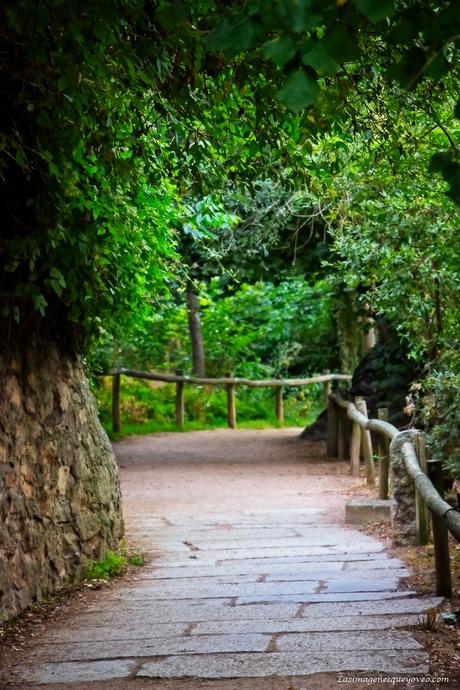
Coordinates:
280	50
438	68
65	81
300	15
457	110
319	58
232	37
57	275
454	193
376	10
20	157
40	303
409	70
404	32
299	91
341	45
57	287
169	14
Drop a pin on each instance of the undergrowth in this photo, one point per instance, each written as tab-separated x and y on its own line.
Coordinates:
113	565
147	407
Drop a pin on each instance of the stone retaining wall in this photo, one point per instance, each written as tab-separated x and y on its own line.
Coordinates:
60	501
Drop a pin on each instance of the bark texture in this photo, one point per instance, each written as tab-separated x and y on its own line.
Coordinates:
196	337
60	502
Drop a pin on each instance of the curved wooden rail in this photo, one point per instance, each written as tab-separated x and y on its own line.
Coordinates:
226	380
444	516
430	495
423	484
370	424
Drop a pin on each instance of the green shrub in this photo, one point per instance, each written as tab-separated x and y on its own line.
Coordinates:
112	565
153	405
438	400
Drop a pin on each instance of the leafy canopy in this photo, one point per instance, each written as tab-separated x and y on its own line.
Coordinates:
116	115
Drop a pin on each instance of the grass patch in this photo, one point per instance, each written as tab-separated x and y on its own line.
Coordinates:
113	565
148	408
142	429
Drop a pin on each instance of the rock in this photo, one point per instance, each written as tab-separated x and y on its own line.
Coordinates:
403	493
61	501
366	511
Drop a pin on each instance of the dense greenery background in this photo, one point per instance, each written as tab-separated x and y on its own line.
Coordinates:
294	162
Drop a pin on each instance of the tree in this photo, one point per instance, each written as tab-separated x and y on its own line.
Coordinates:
320	50
114	115
86	208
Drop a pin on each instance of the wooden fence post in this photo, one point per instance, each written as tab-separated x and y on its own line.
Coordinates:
384	456
344	431
180	401
440	536
366	444
327	389
116	425
421	511
231	404
332	429
279	408
355	446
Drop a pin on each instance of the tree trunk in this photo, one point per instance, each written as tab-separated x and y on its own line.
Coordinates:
349	333
61	503
196	337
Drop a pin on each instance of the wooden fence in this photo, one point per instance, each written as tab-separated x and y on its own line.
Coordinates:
228	381
349	434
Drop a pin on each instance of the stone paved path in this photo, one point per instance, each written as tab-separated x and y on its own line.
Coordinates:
253	573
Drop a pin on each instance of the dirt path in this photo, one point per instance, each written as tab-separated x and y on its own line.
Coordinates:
254	581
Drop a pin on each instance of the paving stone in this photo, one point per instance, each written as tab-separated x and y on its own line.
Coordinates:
375	575
303	558
226	587
273	569
125	630
198	644
283	551
152	602
284	664
241	570
153	630
213	535
312	624
231	540
355	584
205	578
274	515
176	612
205	590
403	606
351	641
71	672
215	576
370	564
272	589
323	597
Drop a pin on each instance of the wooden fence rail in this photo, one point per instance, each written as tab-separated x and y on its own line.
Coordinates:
428	488
228	381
